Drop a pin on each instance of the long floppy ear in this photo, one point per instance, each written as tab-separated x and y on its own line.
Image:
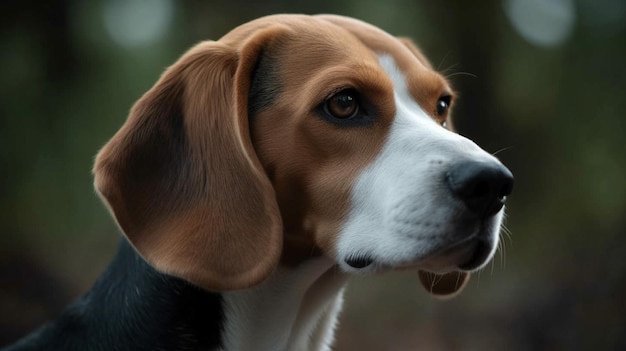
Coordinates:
182	179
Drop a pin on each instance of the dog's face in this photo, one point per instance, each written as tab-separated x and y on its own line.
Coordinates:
363	156
331	137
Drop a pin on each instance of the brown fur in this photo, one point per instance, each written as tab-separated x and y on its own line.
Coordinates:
206	197
425	85
183	180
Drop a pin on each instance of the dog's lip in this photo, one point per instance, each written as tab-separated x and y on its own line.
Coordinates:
478	258
465	254
458	256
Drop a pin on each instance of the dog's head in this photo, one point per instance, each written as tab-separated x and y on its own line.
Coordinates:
295	136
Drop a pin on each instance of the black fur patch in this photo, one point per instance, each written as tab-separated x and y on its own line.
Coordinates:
264	84
134	307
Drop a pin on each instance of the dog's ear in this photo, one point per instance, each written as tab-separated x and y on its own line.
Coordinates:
444	285
182	179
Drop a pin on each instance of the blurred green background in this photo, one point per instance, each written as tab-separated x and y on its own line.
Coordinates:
542	82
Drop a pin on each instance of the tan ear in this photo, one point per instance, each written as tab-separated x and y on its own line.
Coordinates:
444	285
183	181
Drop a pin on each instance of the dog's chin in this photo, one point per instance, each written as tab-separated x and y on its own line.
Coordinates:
470	253
446	273
443	274
467	258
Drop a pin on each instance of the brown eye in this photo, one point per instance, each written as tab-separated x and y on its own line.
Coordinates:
442	105
343	105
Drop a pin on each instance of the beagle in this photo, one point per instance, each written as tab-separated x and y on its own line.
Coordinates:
264	168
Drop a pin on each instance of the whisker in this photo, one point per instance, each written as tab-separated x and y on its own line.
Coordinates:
501	150
443	60
502	247
502	243
461	74
450	71
507	233
499	251
436	281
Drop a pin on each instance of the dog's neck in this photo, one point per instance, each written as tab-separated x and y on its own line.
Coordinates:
134	307
295	309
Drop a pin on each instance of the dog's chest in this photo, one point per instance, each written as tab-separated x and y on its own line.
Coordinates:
295	309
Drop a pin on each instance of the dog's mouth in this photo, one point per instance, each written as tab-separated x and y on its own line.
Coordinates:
444	272
465	255
471	254
436	275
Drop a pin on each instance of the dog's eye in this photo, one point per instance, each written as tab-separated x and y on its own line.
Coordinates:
343	105
442	105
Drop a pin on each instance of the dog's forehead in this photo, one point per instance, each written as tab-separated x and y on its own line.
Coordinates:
326	32
423	83
376	39
347	44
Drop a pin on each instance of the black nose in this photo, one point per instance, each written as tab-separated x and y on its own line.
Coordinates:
482	185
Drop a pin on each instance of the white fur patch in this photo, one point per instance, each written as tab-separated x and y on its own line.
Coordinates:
287	311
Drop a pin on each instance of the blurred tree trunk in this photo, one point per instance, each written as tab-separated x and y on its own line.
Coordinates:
49	22
473	45
29	292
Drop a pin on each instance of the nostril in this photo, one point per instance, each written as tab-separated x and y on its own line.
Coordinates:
482	186
476	189
507	186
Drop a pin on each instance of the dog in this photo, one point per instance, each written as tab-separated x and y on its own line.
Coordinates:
260	171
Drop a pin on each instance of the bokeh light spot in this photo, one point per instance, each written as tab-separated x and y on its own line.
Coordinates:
542	22
137	23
